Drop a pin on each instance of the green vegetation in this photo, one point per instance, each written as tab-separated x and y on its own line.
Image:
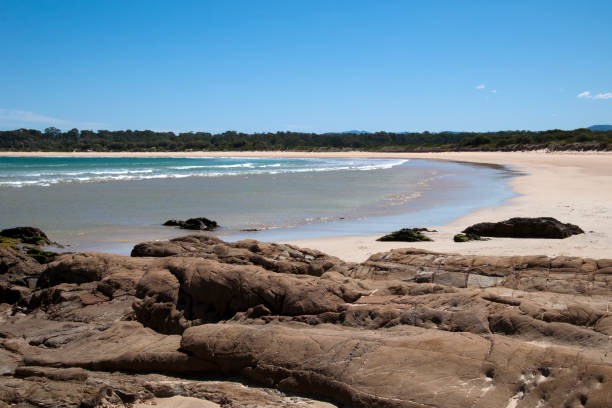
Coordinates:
52	139
10	242
40	255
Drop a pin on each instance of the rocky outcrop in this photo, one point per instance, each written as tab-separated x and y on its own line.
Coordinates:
16	266
407	235
562	274
403	367
276	257
26	235
177	293
542	227
201	223
406	328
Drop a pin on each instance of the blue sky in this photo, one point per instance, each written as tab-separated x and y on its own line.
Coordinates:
305	65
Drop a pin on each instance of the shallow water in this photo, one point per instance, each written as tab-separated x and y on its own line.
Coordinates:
299	198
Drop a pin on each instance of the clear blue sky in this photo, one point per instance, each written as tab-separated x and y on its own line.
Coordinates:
305	65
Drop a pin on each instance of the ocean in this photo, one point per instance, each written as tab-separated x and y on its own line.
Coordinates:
109	203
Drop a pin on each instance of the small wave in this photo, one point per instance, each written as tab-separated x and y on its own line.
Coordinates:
231	166
80	173
211	166
92	176
102	172
188	167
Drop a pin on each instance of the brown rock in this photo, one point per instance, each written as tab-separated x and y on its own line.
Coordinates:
193	291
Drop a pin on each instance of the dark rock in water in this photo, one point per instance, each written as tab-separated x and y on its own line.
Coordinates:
468	237
26	235
541	227
407	235
201	223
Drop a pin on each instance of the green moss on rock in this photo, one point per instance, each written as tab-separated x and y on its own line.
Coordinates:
40	255
468	237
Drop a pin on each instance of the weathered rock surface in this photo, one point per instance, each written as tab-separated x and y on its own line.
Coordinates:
542	227
562	274
16	267
403	367
276	257
189	321
179	292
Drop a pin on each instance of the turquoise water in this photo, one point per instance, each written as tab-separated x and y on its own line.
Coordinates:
110	204
47	171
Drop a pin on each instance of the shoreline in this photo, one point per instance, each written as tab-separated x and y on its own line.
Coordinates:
569	186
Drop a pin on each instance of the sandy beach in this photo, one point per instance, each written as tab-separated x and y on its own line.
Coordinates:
573	187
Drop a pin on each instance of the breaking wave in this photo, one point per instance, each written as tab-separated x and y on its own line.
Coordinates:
39	171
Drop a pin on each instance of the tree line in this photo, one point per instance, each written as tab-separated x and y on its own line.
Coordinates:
53	139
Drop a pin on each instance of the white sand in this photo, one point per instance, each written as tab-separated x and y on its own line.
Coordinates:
572	187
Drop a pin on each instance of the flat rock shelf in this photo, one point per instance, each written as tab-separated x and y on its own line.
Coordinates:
196	317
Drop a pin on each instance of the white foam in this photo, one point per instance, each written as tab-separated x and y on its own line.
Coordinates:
47	178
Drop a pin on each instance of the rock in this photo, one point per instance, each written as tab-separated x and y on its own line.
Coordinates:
396	368
179	401
181	292
126	346
276	257
16	266
542	227
26	235
114	271
201	223
73	387
407	235
406	328
12	294
468	237
41	256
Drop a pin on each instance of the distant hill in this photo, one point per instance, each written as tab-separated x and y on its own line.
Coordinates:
600	127
355	132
